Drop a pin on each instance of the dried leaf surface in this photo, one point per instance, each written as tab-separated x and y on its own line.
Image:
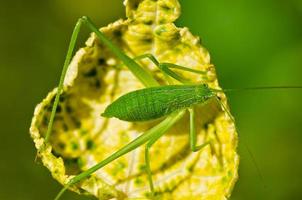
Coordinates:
81	137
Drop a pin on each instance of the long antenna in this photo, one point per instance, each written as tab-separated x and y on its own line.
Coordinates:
258	88
244	143
231	117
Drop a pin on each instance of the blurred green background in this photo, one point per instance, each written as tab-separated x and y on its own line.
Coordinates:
251	42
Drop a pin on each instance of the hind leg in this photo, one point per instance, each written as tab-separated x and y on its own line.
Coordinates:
147	160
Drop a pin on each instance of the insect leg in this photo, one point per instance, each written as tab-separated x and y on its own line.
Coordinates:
174	66
147	159
169	65
140	73
155	62
73	39
164	67
225	109
149	56
180	78
148	135
137	70
193	137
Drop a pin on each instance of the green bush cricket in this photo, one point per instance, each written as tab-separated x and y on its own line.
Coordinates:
144	105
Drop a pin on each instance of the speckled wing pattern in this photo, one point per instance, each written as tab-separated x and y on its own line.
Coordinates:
81	137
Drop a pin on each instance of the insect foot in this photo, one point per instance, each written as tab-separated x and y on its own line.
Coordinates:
81	139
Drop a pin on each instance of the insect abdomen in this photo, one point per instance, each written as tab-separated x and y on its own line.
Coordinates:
153	103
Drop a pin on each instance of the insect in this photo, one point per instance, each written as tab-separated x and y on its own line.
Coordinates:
153	102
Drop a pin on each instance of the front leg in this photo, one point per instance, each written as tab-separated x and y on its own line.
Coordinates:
193	136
